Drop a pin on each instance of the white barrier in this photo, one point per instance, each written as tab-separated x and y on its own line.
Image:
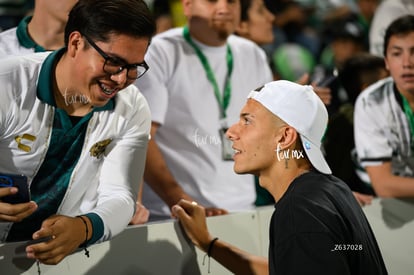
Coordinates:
161	248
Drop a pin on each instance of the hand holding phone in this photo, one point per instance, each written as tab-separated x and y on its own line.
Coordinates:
18	181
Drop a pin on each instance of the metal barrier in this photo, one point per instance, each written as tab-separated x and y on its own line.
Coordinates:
161	248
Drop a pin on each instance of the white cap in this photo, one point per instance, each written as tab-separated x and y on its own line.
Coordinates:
300	107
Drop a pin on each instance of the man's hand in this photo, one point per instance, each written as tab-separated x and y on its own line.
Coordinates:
193	220
324	93
212	211
141	214
363	199
62	235
14	212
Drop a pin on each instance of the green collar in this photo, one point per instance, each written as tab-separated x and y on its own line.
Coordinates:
24	38
45	82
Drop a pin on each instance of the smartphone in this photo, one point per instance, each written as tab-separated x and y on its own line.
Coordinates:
327	81
19	181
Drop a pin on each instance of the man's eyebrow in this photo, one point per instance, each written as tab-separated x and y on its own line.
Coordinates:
396	47
246	115
121	61
117	58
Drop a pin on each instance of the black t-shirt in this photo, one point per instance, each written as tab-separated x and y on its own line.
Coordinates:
319	228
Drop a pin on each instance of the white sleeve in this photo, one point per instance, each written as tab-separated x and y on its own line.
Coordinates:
123	169
371	141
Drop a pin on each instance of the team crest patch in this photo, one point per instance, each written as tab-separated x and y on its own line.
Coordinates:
25	138
98	149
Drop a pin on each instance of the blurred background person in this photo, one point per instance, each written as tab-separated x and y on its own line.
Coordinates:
12	11
384	119
41	31
168	14
386	12
357	73
256	22
194	94
292	25
346	39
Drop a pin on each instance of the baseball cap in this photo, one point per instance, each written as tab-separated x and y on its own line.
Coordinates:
300	107
347	29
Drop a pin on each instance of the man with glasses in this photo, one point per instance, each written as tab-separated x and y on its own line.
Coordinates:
115	65
74	126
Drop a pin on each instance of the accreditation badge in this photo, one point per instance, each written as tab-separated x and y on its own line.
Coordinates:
226	145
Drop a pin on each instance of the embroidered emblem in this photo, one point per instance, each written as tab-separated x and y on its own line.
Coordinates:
22	146
98	149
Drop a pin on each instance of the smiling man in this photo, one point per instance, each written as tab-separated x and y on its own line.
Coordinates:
75	126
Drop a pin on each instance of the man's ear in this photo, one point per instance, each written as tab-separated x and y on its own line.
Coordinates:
286	137
75	43
242	28
386	64
186	7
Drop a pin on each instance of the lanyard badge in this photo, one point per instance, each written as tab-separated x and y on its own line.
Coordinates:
226	144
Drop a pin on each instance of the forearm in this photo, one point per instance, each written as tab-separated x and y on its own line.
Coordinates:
238	261
158	176
394	186
386	184
193	221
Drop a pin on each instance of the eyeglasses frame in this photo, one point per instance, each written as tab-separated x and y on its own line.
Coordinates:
121	68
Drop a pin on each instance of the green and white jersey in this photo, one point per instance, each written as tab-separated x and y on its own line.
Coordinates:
104	170
382	130
17	41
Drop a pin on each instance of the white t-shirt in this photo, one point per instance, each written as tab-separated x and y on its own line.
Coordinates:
382	132
182	100
10	45
17	41
387	11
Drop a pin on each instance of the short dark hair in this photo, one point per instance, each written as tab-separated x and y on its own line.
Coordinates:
98	19
401	25
358	71
244	8
347	29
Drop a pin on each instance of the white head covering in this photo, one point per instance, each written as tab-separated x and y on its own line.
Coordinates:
300	107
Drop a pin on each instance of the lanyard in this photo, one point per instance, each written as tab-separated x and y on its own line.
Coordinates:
223	101
410	116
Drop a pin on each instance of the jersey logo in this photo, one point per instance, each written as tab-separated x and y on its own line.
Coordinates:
22	146
98	149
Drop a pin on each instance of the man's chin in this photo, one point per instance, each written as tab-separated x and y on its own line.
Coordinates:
223	32
101	101
240	171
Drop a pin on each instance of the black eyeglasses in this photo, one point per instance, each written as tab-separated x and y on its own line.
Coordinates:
112	66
